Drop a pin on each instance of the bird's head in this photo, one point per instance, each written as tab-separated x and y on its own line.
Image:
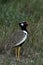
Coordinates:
23	25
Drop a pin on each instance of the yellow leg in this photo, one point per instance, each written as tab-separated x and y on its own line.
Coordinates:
16	50
19	48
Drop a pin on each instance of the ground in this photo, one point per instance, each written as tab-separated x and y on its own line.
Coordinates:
11	13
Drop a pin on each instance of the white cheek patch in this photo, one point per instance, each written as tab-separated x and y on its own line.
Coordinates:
22	24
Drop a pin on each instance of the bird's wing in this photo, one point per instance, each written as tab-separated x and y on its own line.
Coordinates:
16	37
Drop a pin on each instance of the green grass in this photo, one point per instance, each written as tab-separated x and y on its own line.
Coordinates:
14	11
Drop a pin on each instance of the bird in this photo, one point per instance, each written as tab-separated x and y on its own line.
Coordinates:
17	39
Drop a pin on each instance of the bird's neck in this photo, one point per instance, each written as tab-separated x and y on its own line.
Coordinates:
24	29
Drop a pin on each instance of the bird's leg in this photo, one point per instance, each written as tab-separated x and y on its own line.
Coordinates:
16	49
19	48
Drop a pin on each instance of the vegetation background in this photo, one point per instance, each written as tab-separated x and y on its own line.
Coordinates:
11	13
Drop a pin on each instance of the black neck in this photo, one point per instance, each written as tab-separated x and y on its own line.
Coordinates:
25	30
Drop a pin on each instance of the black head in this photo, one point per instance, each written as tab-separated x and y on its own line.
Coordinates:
23	25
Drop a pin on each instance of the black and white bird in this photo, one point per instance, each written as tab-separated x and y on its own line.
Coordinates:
17	39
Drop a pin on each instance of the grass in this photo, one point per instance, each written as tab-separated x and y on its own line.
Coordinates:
11	13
